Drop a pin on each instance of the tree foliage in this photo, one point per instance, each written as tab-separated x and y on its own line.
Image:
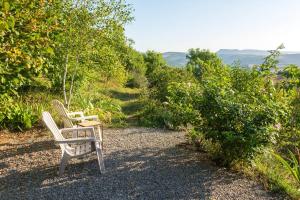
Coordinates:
26	30
202	61
153	61
56	44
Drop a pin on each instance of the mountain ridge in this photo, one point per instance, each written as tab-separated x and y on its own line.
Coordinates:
246	57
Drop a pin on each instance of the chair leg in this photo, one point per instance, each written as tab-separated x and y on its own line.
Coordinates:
63	163
100	157
100	134
101	128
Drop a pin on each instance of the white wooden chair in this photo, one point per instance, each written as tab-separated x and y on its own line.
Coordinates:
74	147
70	117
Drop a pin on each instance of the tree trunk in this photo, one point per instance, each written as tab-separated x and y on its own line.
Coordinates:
72	82
64	80
71	90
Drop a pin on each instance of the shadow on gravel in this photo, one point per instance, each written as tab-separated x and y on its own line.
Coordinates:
3	165
27	148
147	173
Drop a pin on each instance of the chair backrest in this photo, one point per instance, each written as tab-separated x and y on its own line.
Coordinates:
63	113
51	125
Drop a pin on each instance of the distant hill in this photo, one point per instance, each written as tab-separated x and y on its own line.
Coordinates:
176	59
246	57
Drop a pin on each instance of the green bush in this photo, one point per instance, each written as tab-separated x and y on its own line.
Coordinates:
170	101
137	80
106	108
153	114
17	116
161	77
181	103
237	109
240	115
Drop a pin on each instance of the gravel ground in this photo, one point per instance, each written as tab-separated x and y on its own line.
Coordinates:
140	163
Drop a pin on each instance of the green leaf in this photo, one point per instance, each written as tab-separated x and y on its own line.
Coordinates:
11	21
6	6
3	25
50	50
289	166
296	166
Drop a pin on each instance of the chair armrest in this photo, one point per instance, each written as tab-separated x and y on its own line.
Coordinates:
93	117
76	140
80	113
64	130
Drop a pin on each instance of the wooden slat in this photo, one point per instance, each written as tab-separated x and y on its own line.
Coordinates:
89	123
60	108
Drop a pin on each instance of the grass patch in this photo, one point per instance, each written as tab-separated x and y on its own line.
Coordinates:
115	104
130	101
274	176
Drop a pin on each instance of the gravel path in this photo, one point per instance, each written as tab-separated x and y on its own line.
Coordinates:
141	163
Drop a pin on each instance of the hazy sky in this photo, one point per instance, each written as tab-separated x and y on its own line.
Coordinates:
177	25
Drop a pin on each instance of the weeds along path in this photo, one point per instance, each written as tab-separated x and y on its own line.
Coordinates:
141	163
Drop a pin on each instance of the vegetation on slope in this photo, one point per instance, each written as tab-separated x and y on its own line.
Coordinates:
77	52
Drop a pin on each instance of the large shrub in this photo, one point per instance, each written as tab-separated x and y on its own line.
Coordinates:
137	80
177	111
239	110
162	77
182	98
170	100
239	122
